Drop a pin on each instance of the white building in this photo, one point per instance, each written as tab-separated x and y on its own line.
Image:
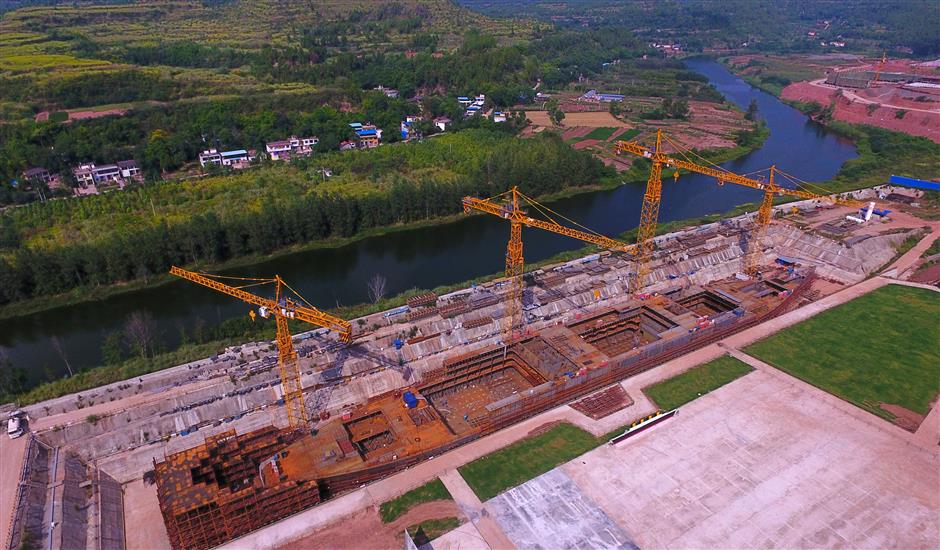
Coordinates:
238	158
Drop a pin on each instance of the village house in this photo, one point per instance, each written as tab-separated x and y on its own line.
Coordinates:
408	129
499	116
594	96
39	174
367	135
292	148
237	159
389	92
92	178
442	122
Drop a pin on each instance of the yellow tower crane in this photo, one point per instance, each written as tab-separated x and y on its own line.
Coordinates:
653	195
282	307
515	264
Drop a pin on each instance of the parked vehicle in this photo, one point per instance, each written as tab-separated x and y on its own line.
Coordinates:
16	424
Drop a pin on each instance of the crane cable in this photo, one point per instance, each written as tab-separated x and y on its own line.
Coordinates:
799	181
299	295
679	149
254	279
562	216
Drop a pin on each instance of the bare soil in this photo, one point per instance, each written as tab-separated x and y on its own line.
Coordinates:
585	143
601	119
576	132
854	107
905	418
364	530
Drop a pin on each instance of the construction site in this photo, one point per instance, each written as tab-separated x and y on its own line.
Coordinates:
227	445
900	95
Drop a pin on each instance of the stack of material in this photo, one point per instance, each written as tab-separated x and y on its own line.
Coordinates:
428	299
421	313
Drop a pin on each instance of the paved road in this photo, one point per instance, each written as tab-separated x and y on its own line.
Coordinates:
11	462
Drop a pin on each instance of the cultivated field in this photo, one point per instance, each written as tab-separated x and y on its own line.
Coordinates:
589	120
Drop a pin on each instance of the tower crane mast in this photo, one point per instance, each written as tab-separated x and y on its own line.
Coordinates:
283	308
653	195
515	263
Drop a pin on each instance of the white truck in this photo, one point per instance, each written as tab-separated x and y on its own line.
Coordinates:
16	424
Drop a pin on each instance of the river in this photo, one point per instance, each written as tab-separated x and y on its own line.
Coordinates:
432	256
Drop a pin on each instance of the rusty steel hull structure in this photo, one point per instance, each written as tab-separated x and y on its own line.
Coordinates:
212	517
210	494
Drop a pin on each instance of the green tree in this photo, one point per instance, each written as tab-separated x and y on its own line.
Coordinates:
554	112
751	110
112	349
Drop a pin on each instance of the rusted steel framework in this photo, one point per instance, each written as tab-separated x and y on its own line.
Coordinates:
215	492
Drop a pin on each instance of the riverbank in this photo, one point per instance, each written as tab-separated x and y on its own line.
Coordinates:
637	174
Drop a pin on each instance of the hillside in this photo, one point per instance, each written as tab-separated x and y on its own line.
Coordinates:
188	48
906	26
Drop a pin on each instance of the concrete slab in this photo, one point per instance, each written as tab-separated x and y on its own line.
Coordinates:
11	464
465	537
144	528
763	463
550	511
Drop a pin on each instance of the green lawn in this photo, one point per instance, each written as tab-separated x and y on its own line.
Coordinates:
679	390
494	473
602	134
629	134
426	531
883	347
432	490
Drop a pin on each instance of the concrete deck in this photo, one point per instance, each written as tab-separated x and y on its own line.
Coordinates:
472	508
12	452
762	462
550	511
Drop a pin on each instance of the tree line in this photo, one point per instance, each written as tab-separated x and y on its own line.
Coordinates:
538	166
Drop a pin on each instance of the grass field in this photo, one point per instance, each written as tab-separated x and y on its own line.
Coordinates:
494	473
430	491
629	134
679	390
883	347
